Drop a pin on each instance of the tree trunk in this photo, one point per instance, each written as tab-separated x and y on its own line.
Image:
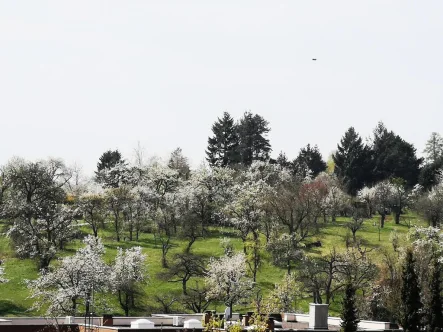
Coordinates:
185	291
131	226
397	217
95	231
44	263
382	219
117	233
190	243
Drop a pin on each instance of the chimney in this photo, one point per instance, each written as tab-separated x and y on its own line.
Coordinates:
107	320
318	316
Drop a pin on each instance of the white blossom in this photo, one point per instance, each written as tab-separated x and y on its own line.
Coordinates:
226	279
2	272
66	286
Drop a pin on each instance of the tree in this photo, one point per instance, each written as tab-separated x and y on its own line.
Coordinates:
383	198
128	272
385	300
330	273
180	163
163	199
427	244
117	200
246	211
434	148
430	205
201	199
430	174
393	157
434	312
336	200
309	158
284	251
349	312
73	281
400	197
223	146
197	300
32	201
284	296
111	169
254	145
354	225
367	196
283	161
2	272
296	203
185	266
352	162
227	280
93	208
410	295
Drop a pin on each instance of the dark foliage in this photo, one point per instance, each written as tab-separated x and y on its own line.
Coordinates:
410	296
349	311
352	162
223	146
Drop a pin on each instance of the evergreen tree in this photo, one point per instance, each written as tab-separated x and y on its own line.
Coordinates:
394	157
429	174
254	145
410	296
349	312
111	169
282	160
434	148
352	162
435	316
180	163
223	145
309	159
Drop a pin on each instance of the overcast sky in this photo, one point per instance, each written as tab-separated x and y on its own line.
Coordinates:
80	77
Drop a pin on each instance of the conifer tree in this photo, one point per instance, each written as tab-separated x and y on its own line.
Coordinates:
352	162
310	159
393	157
410	296
435	316
349	311
223	145
254	145
180	163
282	160
111	169
434	148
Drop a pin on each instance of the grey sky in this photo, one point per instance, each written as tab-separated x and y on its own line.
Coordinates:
80	77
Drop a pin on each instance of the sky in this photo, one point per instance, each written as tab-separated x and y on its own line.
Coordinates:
78	78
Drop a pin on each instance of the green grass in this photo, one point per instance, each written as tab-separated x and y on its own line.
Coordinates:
14	299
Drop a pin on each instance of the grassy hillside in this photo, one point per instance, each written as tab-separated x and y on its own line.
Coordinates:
13	295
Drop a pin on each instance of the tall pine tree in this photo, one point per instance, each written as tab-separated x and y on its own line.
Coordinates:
349	311
254	145
410	296
309	159
393	157
224	144
434	312
352	162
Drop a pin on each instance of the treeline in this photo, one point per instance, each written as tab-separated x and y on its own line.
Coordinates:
356	163
276	207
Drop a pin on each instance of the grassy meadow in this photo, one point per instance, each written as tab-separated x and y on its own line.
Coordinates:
14	299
